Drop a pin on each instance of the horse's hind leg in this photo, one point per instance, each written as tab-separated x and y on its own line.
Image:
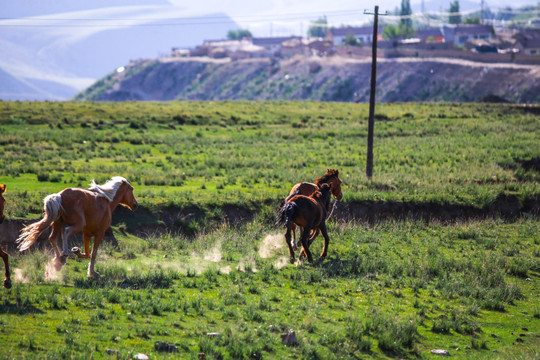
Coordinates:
294	244
305	242
97	241
288	240
322	226
312	237
58	261
7	280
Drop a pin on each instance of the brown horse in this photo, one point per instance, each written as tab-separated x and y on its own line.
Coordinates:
310	213
331	178
3	254
304	188
74	210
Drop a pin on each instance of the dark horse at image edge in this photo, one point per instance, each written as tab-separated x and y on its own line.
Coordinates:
3	254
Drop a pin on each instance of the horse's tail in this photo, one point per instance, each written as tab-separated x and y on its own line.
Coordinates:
286	214
52	206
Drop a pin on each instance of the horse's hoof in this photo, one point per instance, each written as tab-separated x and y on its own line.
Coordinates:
291	260
7	284
302	257
76	250
94	275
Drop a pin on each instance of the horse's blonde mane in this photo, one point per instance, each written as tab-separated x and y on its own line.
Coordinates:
109	189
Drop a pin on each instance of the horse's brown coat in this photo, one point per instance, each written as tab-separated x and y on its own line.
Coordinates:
310	213
75	210
331	177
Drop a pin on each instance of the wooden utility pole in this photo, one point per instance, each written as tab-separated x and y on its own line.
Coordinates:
371	120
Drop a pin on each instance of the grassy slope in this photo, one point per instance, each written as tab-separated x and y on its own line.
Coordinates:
247	153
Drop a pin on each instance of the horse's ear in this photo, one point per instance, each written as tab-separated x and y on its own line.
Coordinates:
2	188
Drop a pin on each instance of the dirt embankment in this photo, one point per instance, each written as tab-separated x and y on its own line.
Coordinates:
143	223
336	78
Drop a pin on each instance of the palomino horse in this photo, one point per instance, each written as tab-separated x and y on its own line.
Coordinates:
3	254
74	210
310	213
304	188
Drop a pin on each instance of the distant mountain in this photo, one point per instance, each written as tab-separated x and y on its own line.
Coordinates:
53	49
12	88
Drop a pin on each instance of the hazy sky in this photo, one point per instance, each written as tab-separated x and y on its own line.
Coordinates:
37	31
283	17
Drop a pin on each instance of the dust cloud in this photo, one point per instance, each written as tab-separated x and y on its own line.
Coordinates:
19	276
51	273
270	245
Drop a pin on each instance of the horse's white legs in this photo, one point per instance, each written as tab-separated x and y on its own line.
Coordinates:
91	271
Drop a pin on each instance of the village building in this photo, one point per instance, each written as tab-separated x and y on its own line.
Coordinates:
307	47
430	35
273	45
363	34
461	34
528	41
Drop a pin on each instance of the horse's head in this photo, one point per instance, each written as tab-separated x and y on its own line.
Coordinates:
331	178
126	197
324	197
2	201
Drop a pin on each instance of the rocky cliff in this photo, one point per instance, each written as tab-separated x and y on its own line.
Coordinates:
335	78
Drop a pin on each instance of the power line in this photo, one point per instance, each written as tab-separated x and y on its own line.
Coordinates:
219	19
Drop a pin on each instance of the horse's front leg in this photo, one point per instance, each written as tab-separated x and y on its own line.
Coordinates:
289	244
7	279
97	241
86	253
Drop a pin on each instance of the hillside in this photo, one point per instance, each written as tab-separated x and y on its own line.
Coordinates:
320	79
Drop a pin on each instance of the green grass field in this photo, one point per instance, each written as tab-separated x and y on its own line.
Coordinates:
388	289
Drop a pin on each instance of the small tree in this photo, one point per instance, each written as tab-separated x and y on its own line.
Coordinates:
472	20
238	34
351	40
318	27
397	32
391	32
406	13
455	16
